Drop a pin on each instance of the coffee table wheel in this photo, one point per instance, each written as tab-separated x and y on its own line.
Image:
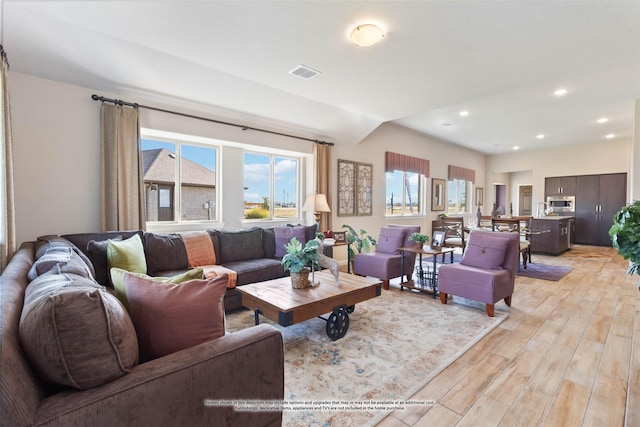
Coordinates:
337	324
351	309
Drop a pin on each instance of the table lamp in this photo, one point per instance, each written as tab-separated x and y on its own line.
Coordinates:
317	203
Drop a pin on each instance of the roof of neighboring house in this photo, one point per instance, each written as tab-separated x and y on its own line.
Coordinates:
159	166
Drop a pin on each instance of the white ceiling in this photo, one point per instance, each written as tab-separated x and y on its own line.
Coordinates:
499	60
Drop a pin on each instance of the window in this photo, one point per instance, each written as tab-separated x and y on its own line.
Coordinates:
270	186
179	181
404	193
459	196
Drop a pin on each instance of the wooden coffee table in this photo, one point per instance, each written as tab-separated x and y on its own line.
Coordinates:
278	301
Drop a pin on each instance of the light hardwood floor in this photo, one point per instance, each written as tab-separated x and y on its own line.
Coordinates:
567	355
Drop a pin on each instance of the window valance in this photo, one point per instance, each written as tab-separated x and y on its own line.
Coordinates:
395	161
456	172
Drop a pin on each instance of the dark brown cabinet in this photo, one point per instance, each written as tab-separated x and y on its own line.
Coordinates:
560	186
598	198
551	235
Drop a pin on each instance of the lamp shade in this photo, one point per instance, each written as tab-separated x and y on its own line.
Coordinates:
316	203
366	35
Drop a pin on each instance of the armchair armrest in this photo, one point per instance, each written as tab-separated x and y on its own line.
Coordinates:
171	390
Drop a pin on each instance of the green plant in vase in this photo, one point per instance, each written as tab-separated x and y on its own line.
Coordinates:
299	260
625	235
419	238
358	242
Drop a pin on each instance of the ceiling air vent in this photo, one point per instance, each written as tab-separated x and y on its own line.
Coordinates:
304	72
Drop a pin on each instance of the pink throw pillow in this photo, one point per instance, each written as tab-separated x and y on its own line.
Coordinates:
284	235
171	317
485	252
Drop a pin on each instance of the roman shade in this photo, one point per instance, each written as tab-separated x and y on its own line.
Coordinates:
456	172
395	161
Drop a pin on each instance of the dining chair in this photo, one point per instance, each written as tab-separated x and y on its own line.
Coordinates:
513	225
454	233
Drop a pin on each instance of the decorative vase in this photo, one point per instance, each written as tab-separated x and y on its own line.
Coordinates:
300	280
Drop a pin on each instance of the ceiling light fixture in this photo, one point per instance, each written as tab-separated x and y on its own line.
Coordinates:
603	120
610	136
560	92
516	148
464	113
366	35
540	136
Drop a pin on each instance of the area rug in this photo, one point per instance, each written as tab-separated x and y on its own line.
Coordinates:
395	344
544	271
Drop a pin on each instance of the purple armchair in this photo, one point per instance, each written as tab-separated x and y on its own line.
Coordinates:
384	263
487	272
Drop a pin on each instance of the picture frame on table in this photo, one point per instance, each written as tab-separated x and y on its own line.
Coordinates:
339	236
437	241
437	194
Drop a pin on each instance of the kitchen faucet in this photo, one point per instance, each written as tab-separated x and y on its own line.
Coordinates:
544	209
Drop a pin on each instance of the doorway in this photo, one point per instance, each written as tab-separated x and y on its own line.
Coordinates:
500	198
524	200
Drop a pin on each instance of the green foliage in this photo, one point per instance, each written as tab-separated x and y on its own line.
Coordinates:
256	213
298	256
418	237
359	242
625	235
265	203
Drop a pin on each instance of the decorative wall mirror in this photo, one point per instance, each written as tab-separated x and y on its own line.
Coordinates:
479	196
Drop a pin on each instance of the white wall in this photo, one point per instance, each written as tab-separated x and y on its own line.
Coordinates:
57	159
57	155
394	138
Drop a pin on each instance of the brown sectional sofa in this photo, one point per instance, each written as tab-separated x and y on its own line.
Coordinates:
170	390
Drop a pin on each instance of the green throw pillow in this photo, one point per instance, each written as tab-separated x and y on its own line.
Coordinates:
117	278
127	254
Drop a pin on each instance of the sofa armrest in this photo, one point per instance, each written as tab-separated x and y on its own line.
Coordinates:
171	390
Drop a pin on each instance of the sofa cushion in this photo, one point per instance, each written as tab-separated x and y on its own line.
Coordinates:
172	317
97	250
485	251
391	238
75	333
117	278
269	242
63	257
164	252
240	245
52	249
256	270
284	235
127	254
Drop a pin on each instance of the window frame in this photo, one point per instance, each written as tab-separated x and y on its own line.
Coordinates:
404	208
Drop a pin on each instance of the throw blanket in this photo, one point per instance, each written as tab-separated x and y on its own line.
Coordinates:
200	253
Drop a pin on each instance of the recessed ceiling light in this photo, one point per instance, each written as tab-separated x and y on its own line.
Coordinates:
445	124
516	148
560	92
603	120
540	136
464	113
366	35
610	135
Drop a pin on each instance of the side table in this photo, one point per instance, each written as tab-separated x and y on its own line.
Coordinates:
421	285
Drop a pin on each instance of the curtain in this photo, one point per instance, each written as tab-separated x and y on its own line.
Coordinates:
7	195
122	174
322	155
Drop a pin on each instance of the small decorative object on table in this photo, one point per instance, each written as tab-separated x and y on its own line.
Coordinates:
438	239
300	260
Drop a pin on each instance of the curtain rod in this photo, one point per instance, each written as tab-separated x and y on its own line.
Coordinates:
243	127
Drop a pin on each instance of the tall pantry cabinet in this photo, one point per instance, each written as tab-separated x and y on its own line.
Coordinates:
598	198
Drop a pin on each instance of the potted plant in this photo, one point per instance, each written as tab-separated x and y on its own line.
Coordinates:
299	260
625	235
420	239
358	242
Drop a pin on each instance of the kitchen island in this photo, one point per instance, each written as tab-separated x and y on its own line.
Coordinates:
552	234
